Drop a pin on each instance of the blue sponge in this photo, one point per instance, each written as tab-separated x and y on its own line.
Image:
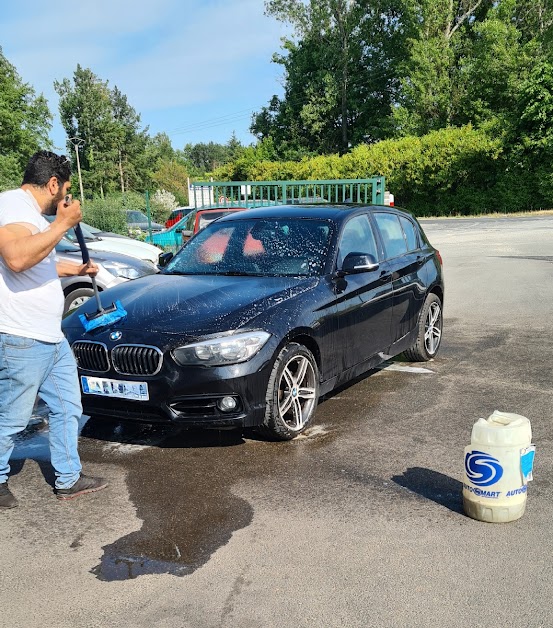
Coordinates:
104	318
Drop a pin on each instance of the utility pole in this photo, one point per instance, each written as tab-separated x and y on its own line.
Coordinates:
77	142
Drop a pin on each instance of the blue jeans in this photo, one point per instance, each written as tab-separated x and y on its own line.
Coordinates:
29	368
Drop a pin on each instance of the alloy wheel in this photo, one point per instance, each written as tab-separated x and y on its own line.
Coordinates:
297	392
433	328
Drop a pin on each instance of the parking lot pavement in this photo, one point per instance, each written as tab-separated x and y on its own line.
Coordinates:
358	523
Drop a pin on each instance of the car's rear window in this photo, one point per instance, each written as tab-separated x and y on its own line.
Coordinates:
410	234
392	234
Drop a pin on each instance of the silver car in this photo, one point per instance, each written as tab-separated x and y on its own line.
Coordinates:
114	268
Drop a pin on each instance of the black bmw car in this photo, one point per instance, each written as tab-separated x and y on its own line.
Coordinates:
261	313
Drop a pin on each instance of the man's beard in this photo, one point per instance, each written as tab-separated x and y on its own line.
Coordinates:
53	207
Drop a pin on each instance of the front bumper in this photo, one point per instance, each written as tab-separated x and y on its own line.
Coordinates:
189	395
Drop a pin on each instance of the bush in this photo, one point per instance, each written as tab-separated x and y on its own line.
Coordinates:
162	204
106	214
453	171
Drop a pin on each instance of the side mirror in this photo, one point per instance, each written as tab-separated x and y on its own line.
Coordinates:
164	259
356	262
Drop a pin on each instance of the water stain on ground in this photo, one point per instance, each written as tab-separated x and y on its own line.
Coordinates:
181	486
181	482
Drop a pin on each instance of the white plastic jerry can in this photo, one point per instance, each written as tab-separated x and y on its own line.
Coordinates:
498	467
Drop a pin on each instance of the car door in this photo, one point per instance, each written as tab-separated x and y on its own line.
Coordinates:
363	300
406	263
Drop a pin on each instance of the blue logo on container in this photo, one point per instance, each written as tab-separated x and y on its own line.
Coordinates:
482	469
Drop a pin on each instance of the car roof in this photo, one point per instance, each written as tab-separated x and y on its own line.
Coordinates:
335	212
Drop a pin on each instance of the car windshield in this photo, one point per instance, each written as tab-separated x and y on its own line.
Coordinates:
295	247
90	228
65	246
89	236
207	217
136	216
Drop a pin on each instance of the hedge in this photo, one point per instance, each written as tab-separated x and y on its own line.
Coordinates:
453	171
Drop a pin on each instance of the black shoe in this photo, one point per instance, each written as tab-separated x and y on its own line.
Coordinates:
85	484
7	500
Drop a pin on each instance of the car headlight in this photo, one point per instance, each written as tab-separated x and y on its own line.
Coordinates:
120	270
222	350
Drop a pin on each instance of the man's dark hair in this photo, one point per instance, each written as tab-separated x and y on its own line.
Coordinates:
44	165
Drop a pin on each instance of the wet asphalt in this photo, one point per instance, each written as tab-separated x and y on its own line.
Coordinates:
357	523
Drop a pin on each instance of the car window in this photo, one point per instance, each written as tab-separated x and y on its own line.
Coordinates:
357	237
136	216
65	246
264	247
204	218
392	234
410	234
71	236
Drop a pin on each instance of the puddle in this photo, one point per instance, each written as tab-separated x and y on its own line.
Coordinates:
181	485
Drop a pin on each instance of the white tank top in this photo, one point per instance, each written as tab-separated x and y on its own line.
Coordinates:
31	302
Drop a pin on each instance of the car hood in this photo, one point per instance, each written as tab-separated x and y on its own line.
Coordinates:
75	255
127	247
196	305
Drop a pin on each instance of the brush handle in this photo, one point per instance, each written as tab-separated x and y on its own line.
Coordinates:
86	259
82	243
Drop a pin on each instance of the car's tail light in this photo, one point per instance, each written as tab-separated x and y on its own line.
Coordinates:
439	257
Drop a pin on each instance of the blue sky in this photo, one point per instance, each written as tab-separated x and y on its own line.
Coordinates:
194	69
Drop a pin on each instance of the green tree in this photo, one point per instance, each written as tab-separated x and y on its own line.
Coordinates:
130	143
532	139
172	176
431	90
112	146
341	72
205	157
25	122
86	113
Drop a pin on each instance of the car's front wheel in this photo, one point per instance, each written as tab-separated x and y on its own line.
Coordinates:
429	335
76	298
292	393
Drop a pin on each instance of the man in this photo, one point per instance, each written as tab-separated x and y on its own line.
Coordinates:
35	358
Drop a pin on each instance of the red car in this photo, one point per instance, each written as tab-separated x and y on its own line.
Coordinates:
200	218
176	215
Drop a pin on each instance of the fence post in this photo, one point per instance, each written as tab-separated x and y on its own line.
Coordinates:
379	186
148	212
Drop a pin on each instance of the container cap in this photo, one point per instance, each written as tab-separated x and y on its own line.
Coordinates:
502	429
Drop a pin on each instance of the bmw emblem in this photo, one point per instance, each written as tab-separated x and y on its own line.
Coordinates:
115	335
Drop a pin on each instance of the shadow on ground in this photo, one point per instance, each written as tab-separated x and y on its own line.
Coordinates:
432	485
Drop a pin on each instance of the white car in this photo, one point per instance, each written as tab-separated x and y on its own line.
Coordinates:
114	268
97	240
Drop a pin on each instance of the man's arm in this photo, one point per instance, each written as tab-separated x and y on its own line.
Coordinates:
70	269
21	249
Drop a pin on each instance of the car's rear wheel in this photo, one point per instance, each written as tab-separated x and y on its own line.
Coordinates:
292	393
429	335
76	298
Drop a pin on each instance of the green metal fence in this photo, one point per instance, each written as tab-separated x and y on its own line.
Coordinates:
218	194
264	193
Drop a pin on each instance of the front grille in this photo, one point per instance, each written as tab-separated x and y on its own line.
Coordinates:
91	356
136	359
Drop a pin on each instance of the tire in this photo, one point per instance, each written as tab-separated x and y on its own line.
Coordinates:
291	404
429	335
75	298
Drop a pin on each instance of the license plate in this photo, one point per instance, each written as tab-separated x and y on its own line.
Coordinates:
114	388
